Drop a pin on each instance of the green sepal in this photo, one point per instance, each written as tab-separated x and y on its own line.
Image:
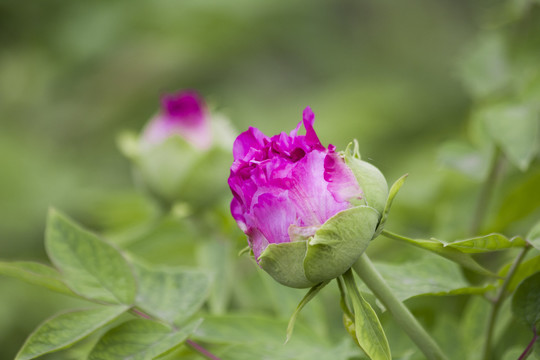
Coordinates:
370	179
307	298
283	262
339	242
391	195
333	249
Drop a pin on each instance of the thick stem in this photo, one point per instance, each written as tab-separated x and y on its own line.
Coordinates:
374	281
497	302
486	192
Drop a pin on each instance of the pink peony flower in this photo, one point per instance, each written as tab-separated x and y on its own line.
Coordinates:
286	186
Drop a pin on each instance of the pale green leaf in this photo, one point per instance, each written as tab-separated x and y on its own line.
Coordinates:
65	329
36	274
485	69
426	276
449	253
171	294
464	158
486	243
140	339
369	331
217	257
91	267
514	128
526	301
242	329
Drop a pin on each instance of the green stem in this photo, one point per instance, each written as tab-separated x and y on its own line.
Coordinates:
374	281
486	192
497	302
395	236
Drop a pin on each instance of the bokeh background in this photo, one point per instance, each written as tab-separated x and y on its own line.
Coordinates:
74	74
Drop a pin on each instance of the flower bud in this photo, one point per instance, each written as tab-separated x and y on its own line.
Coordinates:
307	213
182	153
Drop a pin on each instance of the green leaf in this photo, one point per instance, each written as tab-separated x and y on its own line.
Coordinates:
140	339
369	332
534	236
449	253
486	243
514	127
217	257
525	269
256	329
391	195
36	274
171	294
65	329
428	275
464	158
91	267
526	301
309	296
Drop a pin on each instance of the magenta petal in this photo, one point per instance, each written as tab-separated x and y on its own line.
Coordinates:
342	183
273	215
311	136
253	138
309	191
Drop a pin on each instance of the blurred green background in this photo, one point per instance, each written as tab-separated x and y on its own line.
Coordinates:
74	74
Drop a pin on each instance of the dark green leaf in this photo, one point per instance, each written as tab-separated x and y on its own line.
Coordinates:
526	301
140	339
90	266
171	294
522	200
36	274
534	236
65	329
525	269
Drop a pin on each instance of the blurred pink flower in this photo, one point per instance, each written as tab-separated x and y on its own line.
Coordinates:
184	114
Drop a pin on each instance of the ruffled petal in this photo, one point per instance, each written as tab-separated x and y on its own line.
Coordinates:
253	138
342	183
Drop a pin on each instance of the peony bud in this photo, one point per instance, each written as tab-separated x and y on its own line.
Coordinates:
307	214
184	114
182	152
